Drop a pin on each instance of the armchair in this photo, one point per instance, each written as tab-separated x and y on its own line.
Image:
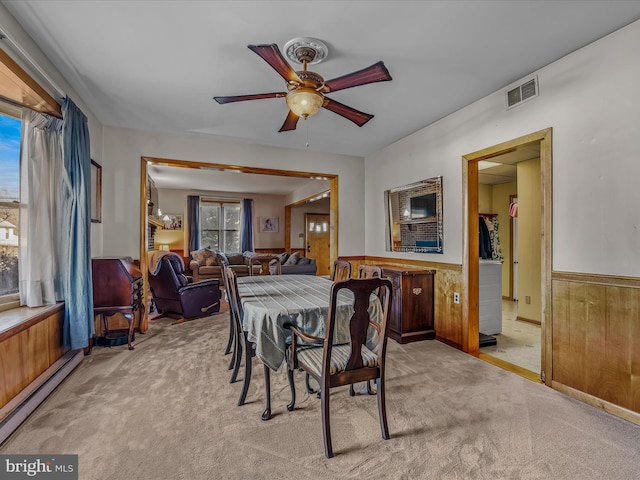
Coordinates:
173	292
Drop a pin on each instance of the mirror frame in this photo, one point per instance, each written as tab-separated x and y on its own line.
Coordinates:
399	225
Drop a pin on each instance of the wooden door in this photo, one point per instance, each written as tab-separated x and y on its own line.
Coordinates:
317	240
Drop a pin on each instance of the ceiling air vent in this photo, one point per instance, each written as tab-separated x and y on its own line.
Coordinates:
523	91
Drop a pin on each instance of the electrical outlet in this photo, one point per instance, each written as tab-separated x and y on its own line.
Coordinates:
527	300
456	297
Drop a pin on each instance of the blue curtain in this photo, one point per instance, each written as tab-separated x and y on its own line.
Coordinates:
75	228
193	219
246	235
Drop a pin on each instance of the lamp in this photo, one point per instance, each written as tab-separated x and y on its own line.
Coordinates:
304	101
164	247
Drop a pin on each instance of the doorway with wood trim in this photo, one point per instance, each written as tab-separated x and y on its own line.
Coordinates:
540	141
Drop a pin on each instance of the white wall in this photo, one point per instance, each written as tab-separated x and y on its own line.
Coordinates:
591	100
123	149
308	191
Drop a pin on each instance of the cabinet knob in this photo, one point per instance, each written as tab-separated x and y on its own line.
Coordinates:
417	291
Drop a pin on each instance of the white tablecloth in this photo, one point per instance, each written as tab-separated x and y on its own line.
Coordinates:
271	301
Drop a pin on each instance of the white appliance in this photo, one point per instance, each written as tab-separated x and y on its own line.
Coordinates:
490	306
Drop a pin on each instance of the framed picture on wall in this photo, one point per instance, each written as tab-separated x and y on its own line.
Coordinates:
96	192
172	222
269	224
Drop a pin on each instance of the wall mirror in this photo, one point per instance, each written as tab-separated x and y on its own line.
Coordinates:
414	217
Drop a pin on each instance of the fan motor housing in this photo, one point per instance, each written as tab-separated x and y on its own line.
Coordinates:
309	79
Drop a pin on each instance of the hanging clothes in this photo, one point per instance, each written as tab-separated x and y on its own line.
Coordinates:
496	249
513	209
485	240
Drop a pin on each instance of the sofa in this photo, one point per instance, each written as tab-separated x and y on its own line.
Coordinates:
294	264
205	263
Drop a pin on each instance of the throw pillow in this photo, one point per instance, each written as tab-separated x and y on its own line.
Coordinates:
283	257
293	259
304	261
198	256
209	257
222	257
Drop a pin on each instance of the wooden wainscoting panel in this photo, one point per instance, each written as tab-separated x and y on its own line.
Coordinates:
595	332
11	369
448	279
28	353
620	346
634	334
448	315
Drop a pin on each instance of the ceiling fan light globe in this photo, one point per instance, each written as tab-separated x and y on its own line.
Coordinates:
304	102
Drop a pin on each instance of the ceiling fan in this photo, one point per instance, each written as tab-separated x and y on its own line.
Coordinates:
307	89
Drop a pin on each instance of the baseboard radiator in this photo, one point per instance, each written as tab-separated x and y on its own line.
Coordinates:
18	409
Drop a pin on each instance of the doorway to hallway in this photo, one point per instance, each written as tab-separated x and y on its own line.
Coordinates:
526	345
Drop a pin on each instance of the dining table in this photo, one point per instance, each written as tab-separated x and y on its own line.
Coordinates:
271	302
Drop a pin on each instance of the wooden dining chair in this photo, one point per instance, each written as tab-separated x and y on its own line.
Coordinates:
235	344
367	271
224	263
245	344
343	364
341	270
241	341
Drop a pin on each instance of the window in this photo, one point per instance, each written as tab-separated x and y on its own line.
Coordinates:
220	225
318	227
9	203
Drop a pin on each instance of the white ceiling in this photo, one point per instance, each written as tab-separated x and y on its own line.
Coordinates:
155	65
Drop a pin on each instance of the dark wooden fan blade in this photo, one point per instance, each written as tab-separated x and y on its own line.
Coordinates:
356	116
242	98
290	122
375	73
271	54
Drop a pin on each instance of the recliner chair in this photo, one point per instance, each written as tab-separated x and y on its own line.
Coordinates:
174	293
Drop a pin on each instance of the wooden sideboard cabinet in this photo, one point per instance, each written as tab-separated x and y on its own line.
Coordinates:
411	313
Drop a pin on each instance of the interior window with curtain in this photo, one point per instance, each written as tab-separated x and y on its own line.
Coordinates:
220	225
10	129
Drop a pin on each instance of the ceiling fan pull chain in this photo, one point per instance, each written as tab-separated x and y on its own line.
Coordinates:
306	125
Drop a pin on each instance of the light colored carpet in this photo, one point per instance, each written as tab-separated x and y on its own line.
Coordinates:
167	411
